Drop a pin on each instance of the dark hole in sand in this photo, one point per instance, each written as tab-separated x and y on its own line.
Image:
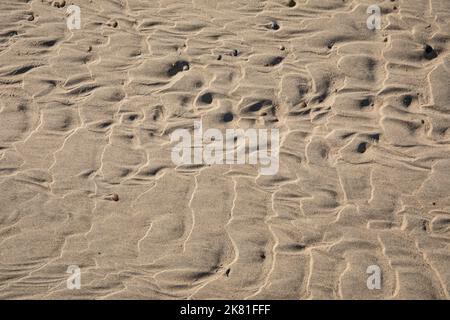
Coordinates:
365	103
274	61
424	226
206	98
375	136
177	67
49	43
274	25
258	105
59	4
105	124
228	117
362	147
407	100
429	52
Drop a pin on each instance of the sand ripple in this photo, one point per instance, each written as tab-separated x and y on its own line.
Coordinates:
86	176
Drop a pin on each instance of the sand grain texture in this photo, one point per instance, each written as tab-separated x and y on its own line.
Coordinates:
86	176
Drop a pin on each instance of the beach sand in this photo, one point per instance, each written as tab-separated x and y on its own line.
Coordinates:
87	179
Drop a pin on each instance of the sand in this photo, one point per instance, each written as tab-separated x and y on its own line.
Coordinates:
87	180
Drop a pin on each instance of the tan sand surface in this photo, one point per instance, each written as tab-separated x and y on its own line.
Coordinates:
86	176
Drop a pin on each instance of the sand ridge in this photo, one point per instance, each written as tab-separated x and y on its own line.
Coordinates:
86	176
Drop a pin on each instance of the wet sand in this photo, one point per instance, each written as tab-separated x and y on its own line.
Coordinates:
86	176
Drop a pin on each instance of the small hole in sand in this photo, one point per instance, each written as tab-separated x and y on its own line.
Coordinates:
228	117
362	147
59	4
177	67
407	100
274	26
206	98
429	53
365	103
375	137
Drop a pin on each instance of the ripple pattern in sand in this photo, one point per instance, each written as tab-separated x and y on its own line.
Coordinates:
86	176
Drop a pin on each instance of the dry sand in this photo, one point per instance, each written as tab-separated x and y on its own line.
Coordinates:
86	176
